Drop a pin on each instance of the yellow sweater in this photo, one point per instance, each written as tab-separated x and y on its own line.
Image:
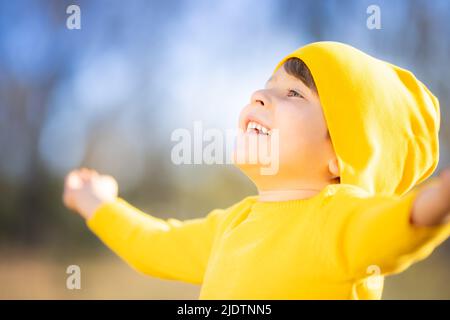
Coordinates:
337	245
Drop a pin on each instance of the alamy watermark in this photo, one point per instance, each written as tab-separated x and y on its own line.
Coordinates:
74	20
374	19
375	279
73	281
231	146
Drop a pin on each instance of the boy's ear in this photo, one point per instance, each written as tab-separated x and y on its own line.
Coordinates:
333	167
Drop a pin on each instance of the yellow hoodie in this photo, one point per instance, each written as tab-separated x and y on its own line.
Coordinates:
336	245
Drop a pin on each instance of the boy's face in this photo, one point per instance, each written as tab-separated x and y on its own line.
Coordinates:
304	147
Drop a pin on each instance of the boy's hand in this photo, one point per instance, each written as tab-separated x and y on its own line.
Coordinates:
432	204
85	190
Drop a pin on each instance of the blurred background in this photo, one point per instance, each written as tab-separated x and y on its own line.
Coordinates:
109	95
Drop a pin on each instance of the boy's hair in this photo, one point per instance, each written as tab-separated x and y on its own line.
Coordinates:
297	68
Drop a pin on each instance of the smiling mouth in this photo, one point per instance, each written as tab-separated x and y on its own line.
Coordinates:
255	127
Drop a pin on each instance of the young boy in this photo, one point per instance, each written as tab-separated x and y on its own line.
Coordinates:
356	135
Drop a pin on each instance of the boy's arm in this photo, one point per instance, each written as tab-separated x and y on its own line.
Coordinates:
381	231
170	249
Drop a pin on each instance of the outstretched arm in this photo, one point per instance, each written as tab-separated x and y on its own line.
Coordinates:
164	248
391	232
170	249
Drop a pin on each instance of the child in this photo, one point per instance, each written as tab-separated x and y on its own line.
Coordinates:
356	135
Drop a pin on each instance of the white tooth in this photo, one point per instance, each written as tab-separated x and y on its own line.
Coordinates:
264	130
253	125
259	127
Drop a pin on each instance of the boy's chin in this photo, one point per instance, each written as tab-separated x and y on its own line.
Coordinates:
245	159
251	170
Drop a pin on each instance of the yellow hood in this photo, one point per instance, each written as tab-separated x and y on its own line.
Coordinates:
383	122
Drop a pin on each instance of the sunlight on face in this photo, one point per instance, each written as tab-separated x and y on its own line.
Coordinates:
288	105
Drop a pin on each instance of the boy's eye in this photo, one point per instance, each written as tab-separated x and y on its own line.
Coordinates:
294	93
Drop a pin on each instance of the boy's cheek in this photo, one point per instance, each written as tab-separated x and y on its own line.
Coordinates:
296	150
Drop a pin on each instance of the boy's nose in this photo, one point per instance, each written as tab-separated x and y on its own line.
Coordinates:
260	97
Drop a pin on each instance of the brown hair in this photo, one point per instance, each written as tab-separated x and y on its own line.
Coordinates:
297	68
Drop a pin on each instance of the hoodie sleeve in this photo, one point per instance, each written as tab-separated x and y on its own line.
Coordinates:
376	231
168	249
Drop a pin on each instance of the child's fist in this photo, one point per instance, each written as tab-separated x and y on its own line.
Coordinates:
432	205
85	190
